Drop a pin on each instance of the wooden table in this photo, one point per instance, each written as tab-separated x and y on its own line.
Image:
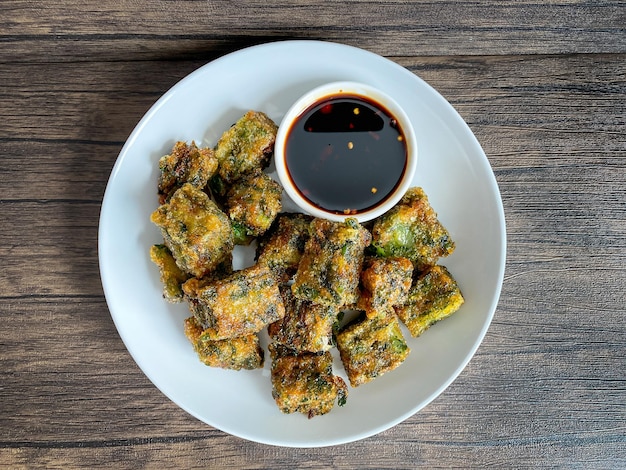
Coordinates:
541	84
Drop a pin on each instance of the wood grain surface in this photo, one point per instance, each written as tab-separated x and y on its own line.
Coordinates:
541	84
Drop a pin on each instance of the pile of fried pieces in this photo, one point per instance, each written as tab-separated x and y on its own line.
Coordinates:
308	272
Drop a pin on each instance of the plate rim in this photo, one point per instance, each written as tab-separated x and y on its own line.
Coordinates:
167	95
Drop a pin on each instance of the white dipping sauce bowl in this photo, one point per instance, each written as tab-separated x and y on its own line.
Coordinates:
350	90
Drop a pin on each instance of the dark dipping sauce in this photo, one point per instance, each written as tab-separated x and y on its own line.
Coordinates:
346	154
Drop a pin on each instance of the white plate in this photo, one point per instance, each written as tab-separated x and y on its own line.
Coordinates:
452	169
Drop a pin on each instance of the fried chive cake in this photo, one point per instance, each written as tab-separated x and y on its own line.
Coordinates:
237	353
329	270
253	202
282	245
434	295
185	164
237	305
411	230
385	283
195	230
172	277
371	347
306	327
246	147
305	383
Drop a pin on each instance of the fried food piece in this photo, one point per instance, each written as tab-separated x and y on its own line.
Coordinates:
253	203
246	147
434	296
186	164
195	230
305	383
171	275
386	282
306	327
238	305
282	246
329	269
371	347
411	230
234	353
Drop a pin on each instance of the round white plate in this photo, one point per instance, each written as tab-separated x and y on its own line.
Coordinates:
452	169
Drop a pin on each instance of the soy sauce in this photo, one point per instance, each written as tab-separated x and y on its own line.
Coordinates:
346	154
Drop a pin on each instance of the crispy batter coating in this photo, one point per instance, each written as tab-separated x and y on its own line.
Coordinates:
234	353
401	281
253	203
172	277
282	246
434	296
371	347
305	383
238	305
411	230
246	147
385	283
306	327
186	164
329	269
195	230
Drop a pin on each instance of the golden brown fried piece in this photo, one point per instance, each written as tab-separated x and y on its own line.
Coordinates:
246	147
195	230
306	327
434	296
238	305
411	230
329	269
171	275
371	347
282	246
305	383
234	353
385	283
253	203
186	164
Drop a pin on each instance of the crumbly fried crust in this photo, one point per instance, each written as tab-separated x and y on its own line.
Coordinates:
282	246
238	305
246	147
371	347
253	203
411	230
385	283
306	327
234	353
305	383
434	295
330	267
186	164
172	277
195	230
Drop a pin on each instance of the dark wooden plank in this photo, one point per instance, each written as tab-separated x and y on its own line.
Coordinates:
158	29
545	389
40	170
563	99
49	249
82	401
104	105
67	377
552	127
